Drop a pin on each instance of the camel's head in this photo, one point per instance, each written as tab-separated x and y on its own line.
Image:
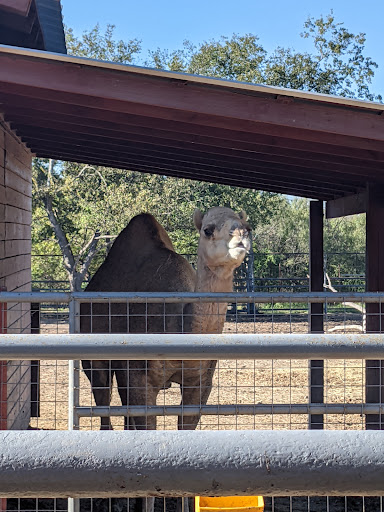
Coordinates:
224	236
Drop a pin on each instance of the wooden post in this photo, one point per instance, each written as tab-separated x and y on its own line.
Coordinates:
374	380
316	317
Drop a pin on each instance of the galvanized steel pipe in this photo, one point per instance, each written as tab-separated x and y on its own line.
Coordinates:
191	346
227	410
166	463
175	297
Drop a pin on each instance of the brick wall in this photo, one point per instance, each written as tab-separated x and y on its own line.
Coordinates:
15	261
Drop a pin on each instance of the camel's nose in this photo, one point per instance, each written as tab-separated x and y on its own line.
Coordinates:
241	245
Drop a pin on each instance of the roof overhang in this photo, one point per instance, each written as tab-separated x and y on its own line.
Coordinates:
32	24
189	126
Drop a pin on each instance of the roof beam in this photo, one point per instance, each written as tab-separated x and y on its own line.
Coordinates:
82	117
272	172
335	167
188	174
20	7
253	162
178	163
349	205
171	99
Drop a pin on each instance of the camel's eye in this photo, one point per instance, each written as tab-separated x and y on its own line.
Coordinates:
209	231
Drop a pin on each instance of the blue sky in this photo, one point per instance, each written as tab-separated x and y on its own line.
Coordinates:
278	23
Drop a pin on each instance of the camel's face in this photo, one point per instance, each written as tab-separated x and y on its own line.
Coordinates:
224	236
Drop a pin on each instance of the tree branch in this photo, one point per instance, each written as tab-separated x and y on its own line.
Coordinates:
69	260
359	308
92	249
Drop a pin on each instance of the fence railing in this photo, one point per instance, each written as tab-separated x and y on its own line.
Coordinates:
114	464
342	456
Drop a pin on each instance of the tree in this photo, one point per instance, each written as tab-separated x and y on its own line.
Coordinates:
336	64
95	45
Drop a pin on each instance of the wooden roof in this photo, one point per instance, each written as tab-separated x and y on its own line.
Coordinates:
32	24
174	124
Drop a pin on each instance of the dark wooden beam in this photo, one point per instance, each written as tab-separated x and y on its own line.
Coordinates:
175	99
20	24
375	283
180	160
156	168
316	280
20	7
99	121
276	171
308	168
349	205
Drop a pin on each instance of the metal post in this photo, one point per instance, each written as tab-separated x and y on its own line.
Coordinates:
73	387
250	279
316	266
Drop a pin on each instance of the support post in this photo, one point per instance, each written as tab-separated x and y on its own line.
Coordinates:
3	383
316	318
3	370
73	386
374	380
250	279
35	364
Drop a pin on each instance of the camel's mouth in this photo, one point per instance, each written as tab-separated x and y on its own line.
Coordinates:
242	246
239	251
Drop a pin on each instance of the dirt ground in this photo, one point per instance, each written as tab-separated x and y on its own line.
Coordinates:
235	382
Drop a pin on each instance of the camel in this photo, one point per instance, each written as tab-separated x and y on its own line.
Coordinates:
142	259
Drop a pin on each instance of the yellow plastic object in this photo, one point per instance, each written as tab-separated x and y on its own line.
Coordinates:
229	503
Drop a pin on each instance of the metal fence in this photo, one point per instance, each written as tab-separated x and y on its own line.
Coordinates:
261	381
272	272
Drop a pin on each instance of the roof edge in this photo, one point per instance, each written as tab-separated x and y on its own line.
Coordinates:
220	82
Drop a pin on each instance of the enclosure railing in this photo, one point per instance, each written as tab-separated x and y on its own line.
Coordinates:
253	346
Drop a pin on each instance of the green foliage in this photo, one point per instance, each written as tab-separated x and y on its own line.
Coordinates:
336	63
95	45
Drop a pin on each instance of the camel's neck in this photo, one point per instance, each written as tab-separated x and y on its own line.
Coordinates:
210	317
214	279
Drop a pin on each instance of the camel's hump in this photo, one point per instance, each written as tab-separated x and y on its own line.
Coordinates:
144	229
142	258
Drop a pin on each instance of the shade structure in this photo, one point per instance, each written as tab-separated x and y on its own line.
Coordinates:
32	24
174	124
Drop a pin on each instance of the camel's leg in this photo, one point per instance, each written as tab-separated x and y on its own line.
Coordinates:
195	390
135	386
100	375
122	378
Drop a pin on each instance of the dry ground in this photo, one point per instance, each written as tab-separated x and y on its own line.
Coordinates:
235	382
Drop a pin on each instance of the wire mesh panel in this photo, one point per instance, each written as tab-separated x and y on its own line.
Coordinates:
244	394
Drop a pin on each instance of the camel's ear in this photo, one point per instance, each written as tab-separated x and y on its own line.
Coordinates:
243	216
198	219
